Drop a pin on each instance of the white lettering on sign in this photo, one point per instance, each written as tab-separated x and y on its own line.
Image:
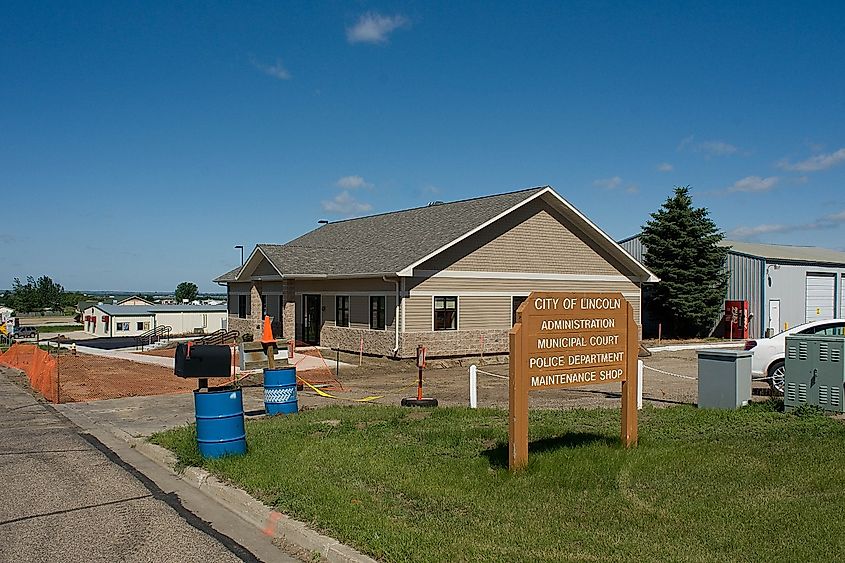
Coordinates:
605	358
600	303
545	303
569	303
546	362
563	378
610	374
566	342
604	340
577	324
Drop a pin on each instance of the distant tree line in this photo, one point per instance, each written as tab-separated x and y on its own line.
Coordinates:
38	295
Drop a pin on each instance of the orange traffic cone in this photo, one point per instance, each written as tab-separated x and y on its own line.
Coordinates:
267	333
268	342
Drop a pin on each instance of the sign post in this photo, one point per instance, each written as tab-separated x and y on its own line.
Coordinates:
563	340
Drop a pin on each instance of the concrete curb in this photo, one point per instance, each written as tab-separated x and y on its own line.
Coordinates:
272	523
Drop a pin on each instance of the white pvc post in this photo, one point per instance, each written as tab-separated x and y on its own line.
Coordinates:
473	390
639	385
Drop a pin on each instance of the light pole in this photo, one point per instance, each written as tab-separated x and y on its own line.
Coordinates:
242	252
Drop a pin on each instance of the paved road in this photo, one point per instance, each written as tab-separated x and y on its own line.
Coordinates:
63	499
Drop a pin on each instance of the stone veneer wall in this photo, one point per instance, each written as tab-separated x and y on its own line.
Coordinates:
348	339
289	311
243	326
438	344
454	343
446	343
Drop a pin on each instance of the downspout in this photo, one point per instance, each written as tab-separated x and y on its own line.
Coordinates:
395	315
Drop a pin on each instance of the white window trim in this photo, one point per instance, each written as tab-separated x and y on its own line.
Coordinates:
457	312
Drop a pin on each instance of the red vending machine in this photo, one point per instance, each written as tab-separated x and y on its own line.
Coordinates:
736	320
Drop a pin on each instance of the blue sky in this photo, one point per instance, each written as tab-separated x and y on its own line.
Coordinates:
141	141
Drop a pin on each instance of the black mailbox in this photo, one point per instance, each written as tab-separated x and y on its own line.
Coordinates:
203	361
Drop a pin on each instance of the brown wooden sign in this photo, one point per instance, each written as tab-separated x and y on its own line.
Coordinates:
569	340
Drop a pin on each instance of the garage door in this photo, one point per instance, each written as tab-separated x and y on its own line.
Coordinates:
842	297
821	296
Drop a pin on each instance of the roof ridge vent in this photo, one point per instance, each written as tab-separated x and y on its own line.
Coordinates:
433	203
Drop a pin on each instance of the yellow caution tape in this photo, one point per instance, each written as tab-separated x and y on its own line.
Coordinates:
330	396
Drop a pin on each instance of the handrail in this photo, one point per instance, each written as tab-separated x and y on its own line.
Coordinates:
161	332
220	336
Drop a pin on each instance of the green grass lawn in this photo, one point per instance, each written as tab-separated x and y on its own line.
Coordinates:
411	485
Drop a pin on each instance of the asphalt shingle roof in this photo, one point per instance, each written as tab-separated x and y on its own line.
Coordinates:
229	276
385	243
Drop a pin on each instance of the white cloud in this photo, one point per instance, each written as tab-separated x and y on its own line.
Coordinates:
685	142
430	189
746	232
708	148
754	184
373	27
276	70
825	222
665	167
352	183
717	148
815	163
344	204
632	189
608	183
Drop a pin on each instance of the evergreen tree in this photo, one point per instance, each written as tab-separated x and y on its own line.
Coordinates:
681	248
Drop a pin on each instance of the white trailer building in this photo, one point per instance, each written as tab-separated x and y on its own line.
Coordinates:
132	320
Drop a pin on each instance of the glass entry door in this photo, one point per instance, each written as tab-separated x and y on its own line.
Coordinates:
311	320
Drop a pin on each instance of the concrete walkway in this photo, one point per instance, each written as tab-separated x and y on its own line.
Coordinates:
125	355
301	361
699	346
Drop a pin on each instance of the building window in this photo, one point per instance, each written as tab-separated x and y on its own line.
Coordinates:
341	310
242	303
143	325
377	308
120	327
517	301
445	313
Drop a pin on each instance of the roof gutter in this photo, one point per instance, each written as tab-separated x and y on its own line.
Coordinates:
395	315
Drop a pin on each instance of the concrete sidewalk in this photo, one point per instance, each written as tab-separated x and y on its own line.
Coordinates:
302	362
124	355
699	346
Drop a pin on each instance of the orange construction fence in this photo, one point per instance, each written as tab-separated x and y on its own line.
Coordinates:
40	367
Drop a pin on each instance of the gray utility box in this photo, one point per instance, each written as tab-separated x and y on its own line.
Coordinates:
815	372
724	378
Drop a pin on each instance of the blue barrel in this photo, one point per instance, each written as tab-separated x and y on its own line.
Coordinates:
280	391
220	422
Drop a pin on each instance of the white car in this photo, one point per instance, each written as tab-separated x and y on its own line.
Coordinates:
769	353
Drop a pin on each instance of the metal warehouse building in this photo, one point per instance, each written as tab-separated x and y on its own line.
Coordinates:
784	285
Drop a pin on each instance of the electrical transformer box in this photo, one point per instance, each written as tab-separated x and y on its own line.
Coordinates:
814	372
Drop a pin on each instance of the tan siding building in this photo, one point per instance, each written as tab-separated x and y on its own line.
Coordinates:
446	276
